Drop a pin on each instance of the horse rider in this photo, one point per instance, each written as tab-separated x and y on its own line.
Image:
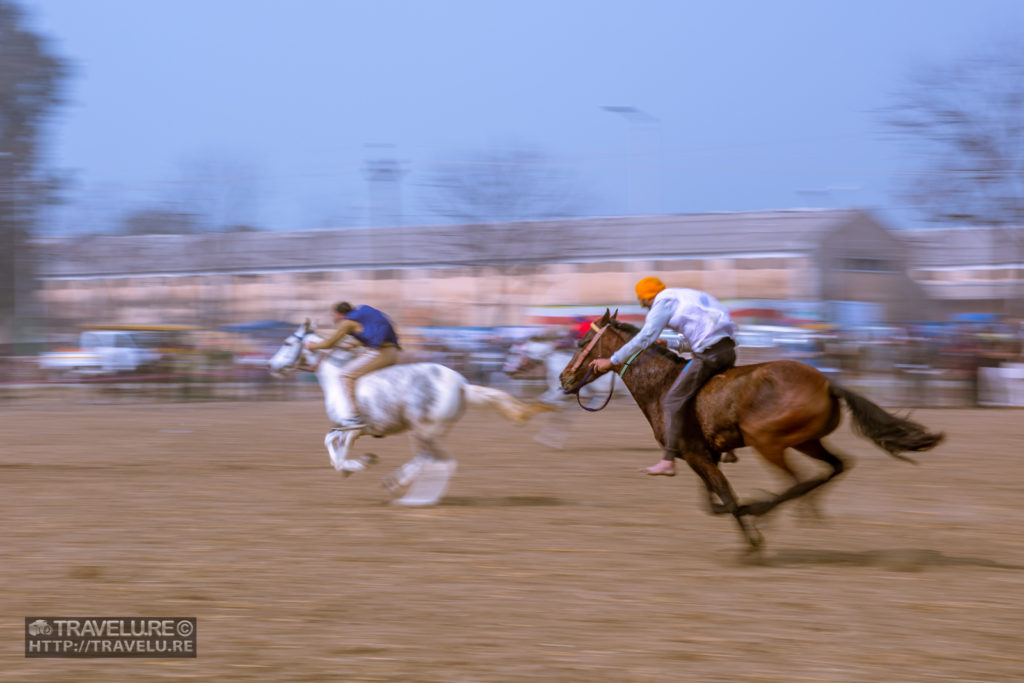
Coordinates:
379	341
572	333
706	330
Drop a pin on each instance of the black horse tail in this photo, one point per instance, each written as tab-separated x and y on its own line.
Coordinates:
893	434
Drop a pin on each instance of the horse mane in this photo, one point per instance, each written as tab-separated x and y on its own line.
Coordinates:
632	330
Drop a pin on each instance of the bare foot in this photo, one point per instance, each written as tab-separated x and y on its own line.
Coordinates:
666	468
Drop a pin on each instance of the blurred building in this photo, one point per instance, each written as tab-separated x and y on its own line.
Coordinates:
479	274
969	270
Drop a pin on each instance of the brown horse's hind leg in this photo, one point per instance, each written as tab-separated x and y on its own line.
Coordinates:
717	485
816	450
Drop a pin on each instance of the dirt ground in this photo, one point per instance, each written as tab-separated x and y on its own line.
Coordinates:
539	564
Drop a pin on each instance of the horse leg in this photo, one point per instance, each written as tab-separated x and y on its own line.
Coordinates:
404	475
716	506
338	444
815	449
818	451
429	482
717	485
553	429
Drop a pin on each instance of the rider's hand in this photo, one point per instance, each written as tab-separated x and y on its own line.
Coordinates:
310	344
601	364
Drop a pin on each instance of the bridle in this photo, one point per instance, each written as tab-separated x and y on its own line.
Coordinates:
590	346
321	355
299	348
586	377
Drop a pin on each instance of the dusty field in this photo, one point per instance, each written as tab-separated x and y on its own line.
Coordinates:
540	565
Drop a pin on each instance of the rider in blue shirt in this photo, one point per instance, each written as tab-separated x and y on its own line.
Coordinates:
379	348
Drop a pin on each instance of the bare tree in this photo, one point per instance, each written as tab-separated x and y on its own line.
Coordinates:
213	194
965	122
159	221
494	188
219	190
501	185
31	80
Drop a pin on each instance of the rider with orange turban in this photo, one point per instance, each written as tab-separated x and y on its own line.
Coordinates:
705	330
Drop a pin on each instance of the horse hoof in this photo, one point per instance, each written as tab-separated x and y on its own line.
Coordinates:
755	509
752	554
755	540
549	442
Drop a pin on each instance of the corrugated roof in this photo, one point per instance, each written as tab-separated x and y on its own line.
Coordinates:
587	239
962	247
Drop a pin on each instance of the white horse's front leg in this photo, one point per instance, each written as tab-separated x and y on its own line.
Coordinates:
338	444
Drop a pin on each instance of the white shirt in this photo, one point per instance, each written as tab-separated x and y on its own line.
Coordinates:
698	317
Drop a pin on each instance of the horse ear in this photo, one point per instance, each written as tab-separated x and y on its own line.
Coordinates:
615	315
605	317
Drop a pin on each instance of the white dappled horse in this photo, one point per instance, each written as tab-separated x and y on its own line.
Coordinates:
424	399
526	355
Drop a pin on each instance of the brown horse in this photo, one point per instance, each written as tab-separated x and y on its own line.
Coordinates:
768	406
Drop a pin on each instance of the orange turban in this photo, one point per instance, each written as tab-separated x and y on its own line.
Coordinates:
648	287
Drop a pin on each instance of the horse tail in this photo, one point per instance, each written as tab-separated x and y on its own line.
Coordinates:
508	405
892	433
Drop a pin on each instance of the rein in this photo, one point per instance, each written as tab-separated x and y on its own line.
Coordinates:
587	377
298	352
611	390
631	359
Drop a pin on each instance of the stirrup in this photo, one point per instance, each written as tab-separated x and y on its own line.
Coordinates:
349	424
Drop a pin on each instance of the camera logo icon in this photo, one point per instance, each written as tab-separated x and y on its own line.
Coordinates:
40	627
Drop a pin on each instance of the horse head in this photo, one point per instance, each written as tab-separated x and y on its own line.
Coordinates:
517	360
525	355
293	354
594	344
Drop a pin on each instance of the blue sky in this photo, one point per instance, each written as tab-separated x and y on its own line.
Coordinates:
277	104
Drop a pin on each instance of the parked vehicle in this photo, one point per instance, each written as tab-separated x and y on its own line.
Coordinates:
101	352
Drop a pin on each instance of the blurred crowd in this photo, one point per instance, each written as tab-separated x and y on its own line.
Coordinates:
916	365
920	365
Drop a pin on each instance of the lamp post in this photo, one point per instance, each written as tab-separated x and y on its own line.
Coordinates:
643	155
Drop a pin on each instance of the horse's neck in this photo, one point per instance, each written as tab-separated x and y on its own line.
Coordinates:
648	376
328	375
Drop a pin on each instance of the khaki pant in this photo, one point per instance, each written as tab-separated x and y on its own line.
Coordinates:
365	362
